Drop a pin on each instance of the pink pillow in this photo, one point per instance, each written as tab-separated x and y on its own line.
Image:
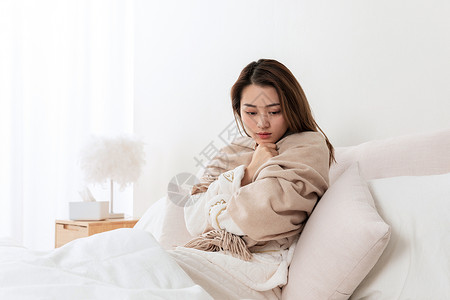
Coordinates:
341	242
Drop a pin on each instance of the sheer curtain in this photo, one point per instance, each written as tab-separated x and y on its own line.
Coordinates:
66	72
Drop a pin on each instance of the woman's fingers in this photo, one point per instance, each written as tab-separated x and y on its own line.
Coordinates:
272	148
269	145
263	153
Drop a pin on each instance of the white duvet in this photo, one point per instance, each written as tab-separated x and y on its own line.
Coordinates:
119	264
131	264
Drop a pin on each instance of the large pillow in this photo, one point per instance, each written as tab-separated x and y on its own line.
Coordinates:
165	221
416	263
415	154
341	242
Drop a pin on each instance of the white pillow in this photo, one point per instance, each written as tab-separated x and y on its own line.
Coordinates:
153	219
165	221
416	262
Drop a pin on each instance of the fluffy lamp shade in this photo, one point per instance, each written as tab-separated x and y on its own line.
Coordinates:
119	159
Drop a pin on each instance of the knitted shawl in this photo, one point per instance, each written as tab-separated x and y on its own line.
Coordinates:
280	198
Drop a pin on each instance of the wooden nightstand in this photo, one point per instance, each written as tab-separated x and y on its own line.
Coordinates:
67	230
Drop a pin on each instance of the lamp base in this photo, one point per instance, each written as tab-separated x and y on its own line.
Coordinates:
116	216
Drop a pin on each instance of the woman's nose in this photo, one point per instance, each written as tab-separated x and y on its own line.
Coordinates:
263	121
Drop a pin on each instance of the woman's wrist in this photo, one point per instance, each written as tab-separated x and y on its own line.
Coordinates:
248	176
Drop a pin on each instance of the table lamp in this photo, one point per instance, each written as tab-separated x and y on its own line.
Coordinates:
113	160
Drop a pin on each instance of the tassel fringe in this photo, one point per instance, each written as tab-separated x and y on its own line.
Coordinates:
217	240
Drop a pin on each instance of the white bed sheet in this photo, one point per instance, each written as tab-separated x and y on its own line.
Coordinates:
119	264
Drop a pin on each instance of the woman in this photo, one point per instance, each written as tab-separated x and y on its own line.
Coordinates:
257	194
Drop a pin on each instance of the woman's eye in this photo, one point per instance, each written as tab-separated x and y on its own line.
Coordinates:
251	113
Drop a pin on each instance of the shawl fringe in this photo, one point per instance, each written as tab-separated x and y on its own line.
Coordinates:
217	240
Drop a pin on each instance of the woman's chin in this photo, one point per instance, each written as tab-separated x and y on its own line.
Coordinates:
264	141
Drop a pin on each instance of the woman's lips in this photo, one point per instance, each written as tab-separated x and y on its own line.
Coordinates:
264	135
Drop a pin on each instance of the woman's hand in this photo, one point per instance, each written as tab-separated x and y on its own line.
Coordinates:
263	153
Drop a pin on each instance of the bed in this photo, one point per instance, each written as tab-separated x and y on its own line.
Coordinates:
381	231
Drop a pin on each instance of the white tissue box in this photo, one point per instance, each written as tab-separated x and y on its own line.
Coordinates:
83	211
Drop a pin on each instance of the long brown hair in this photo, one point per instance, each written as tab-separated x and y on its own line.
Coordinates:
294	105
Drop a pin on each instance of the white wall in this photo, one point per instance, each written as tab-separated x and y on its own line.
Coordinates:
370	69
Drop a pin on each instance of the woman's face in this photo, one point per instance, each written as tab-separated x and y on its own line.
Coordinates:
261	114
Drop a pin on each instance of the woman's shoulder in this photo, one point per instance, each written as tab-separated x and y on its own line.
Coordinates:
306	148
303	139
245	144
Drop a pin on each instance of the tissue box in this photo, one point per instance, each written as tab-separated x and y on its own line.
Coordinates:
83	211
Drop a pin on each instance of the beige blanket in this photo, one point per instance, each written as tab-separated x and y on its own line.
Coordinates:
284	190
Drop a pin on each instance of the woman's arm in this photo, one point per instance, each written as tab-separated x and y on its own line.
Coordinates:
263	153
284	189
